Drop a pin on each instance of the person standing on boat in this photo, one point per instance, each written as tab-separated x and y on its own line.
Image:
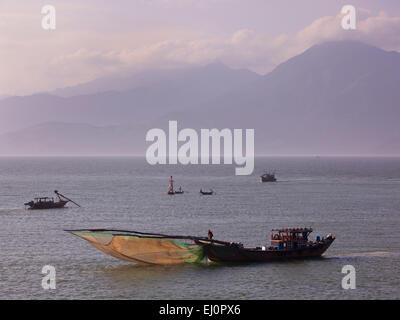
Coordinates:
210	234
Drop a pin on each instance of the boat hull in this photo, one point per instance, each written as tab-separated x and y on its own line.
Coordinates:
263	179
234	253
44	205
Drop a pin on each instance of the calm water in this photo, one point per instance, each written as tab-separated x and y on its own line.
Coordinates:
357	199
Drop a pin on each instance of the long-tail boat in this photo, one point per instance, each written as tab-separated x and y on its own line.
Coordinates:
285	244
41	203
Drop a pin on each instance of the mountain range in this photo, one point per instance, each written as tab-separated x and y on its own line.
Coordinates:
335	98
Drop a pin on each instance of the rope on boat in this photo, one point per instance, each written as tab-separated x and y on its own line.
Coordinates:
115	232
60	195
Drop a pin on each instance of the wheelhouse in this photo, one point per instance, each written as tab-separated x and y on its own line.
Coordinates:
290	238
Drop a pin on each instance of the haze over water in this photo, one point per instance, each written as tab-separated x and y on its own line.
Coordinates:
356	199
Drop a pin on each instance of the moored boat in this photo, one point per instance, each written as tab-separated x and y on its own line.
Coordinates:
285	244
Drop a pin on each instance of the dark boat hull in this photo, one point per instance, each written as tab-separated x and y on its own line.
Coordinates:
263	179
43	206
234	253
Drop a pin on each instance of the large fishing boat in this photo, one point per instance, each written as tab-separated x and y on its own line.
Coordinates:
285	244
41	203
153	248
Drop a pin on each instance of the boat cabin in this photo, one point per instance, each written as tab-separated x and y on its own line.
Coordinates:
290	238
44	200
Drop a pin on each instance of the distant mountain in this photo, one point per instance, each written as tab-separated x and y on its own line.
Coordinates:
141	101
335	98
222	79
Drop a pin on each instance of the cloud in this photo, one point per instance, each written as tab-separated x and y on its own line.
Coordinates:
66	58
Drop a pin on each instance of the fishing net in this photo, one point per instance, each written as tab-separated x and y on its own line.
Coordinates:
139	249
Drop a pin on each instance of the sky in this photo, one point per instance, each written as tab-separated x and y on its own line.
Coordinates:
97	38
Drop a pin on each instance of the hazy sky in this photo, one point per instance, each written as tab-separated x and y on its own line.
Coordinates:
95	38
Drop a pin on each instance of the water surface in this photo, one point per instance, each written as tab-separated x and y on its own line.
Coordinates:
356	199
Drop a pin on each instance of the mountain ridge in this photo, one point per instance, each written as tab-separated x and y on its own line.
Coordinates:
337	97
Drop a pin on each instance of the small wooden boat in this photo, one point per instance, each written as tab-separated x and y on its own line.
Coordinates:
179	191
206	193
285	244
45	203
41	203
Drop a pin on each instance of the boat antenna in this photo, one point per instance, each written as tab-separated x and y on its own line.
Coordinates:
59	194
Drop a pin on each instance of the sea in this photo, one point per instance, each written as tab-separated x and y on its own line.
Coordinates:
357	199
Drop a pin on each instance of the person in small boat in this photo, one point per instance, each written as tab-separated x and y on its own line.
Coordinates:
210	234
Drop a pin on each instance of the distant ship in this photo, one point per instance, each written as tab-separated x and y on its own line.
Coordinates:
268	177
206	193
